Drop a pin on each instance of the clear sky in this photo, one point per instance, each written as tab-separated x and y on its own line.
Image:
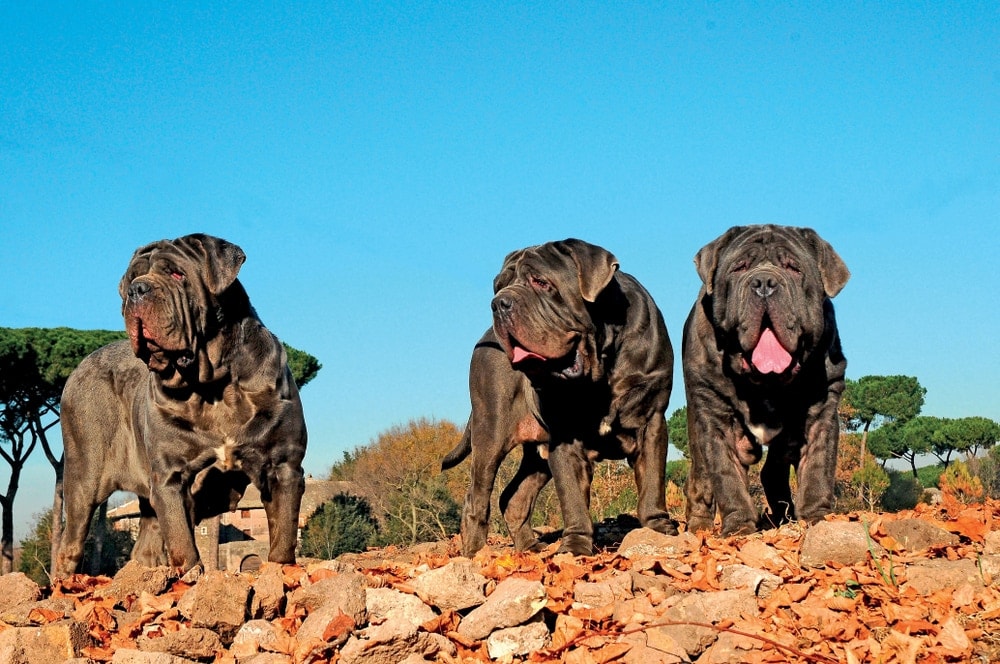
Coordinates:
376	161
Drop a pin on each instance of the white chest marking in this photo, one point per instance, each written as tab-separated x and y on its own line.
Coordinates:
224	453
763	434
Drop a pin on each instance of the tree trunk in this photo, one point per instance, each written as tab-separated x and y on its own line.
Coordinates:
57	510
100	529
7	532
208	544
864	444
6	540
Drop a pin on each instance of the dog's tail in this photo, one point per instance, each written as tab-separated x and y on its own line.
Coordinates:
462	450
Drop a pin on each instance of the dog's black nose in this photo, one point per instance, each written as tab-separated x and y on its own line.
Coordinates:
502	303
764	286
138	289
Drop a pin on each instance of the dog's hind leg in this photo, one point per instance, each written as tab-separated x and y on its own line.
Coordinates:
517	502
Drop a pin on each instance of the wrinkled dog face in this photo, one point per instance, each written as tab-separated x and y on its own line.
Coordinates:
540	306
168	295
768	286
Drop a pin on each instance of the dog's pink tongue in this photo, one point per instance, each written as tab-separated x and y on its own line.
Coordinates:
522	354
770	356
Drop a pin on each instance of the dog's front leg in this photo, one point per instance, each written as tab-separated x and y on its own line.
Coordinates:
573	473
650	461
171	500
286	484
816	469
718	477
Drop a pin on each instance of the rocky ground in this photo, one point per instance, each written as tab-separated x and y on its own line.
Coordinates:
921	586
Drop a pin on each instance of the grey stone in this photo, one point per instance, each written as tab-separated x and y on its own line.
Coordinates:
735	577
133	579
842	542
645	542
253	637
711	607
927	577
220	602
55	642
385	603
20	615
195	643
597	594
455	586
132	656
520	640
16	588
917	534
991	544
267	658
268	592
392	642
513	602
346	592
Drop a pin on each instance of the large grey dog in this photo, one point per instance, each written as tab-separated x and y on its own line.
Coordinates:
763	366
196	404
577	367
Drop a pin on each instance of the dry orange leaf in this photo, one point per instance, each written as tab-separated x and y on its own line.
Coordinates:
840	603
904	647
339	626
41	616
953	640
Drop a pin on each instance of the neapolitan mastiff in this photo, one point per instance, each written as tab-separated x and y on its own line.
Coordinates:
763	366
195	405
577	367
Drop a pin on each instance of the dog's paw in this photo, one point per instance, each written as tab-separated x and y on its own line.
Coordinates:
578	545
193	574
738	525
700	523
662	525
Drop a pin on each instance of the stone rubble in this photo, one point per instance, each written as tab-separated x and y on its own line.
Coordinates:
434	607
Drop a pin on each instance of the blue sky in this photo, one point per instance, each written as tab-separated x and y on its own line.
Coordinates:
376	161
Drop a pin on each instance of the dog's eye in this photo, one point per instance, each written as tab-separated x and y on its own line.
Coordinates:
740	267
540	284
176	275
792	267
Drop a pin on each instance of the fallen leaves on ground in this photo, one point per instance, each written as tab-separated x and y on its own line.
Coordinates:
860	613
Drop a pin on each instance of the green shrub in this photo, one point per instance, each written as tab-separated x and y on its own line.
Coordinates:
929	475
870	484
36	549
989	472
343	524
677	471
959	482
903	493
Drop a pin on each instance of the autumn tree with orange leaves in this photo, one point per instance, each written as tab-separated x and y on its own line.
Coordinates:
398	473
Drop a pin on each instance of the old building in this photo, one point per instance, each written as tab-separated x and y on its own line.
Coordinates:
237	540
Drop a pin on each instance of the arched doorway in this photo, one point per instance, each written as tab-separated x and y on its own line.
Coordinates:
251	563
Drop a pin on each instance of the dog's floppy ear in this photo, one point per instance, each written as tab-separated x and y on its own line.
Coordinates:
223	260
831	267
595	266
707	259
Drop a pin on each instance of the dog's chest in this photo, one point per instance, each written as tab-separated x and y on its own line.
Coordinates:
217	424
763	420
